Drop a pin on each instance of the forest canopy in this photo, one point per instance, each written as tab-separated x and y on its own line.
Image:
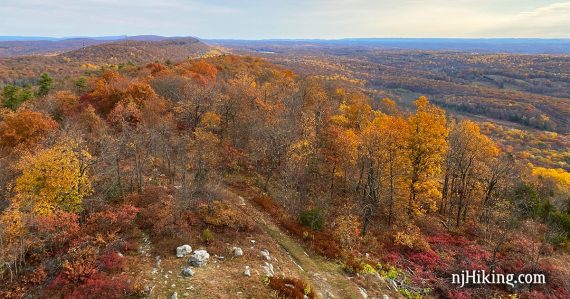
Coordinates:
89	168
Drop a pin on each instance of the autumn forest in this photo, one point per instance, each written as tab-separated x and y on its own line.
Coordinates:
106	168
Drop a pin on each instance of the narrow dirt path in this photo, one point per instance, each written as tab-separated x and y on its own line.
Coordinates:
326	276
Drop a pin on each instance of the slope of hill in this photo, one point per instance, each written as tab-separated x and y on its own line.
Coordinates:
25	69
11	46
44	47
138	51
100	184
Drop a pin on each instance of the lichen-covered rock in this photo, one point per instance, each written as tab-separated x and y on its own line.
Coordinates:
265	254
188	272
237	251
183	250
268	269
199	258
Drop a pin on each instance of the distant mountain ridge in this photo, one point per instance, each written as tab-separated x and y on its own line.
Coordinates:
481	45
138	51
18	46
9	38
23	69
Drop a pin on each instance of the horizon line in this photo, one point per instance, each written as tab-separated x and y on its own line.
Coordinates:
37	37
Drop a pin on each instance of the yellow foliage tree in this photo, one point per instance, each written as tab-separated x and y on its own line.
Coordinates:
54	178
427	147
12	223
394	135
468	159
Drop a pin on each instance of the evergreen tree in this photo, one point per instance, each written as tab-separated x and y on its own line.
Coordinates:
46	84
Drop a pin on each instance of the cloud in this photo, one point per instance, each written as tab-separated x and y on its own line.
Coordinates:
552	20
288	18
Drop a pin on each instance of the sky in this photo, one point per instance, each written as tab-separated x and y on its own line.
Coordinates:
258	19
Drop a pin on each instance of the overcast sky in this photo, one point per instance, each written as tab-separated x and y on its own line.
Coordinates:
258	19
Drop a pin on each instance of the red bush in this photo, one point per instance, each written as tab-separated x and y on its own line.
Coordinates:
290	288
57	229
464	294
37	277
429	260
115	220
112	262
392	258
101	285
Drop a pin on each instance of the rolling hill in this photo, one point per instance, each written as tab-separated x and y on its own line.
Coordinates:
11	46
143	49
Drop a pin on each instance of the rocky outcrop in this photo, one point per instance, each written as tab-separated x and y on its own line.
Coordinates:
199	258
183	250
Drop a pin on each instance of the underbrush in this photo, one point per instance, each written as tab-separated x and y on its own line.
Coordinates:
79	260
291	288
171	222
319	241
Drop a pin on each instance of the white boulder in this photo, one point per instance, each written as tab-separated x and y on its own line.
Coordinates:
183	250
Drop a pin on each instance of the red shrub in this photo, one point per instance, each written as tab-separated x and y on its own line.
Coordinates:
112	262
428	260
101	285
37	277
291	288
447	240
150	195
57	229
115	220
130	246
474	257
464	294
392	258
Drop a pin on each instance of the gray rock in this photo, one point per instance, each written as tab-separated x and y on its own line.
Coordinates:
247	271
237	251
385	296
268	269
265	254
188	272
199	258
174	296
183	250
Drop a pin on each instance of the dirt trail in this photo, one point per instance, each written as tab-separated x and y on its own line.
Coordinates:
326	276
223	277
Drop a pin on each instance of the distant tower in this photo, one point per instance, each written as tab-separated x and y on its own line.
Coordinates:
83	44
